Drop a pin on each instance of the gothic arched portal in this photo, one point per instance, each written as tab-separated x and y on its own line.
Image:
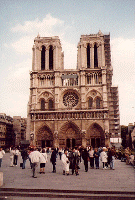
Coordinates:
44	137
95	136
69	135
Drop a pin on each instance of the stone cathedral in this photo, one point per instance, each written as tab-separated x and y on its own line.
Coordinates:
72	107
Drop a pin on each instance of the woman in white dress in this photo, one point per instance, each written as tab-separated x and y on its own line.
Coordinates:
65	162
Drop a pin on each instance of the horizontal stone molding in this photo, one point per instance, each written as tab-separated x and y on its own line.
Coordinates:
68	115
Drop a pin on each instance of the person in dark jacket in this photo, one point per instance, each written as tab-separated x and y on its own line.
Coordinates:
74	160
96	156
53	160
85	156
24	155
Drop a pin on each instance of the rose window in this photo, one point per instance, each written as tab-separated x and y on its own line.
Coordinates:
70	99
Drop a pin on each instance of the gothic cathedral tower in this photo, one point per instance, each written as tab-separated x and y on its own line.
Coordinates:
69	107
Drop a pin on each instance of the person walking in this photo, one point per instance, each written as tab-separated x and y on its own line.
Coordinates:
91	156
35	158
53	160
24	155
85	156
65	161
2	152
12	151
43	160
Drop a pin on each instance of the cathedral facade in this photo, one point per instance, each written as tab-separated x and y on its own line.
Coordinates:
72	107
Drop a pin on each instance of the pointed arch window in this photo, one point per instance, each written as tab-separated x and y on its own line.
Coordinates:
88	56
51	57
43	58
95	56
90	103
51	107
98	102
42	104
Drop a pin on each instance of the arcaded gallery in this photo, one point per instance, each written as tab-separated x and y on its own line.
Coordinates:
72	107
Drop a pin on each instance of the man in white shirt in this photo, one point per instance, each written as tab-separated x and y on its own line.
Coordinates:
2	152
35	158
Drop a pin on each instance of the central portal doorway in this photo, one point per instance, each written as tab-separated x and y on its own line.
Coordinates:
46	143
70	143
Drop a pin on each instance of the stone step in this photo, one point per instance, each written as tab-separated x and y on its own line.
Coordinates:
50	193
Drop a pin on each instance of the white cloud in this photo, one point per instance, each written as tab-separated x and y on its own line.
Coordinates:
123	57
23	45
47	24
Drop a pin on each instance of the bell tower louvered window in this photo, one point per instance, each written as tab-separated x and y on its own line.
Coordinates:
95	56
50	58
88	56
43	58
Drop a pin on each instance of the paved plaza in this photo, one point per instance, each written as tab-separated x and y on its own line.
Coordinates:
95	180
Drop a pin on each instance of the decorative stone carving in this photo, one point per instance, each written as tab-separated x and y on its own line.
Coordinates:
70	99
55	134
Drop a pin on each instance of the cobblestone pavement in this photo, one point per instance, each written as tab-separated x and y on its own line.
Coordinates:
108	184
121	179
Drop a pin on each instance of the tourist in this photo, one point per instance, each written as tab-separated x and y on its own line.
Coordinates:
43	160
103	157
74	158
35	157
85	156
29	151
16	154
2	152
60	153
91	156
109	157
12	151
65	161
96	156
53	160
24	155
127	154
113	153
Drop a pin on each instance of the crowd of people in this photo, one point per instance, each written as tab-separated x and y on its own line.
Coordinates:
71	158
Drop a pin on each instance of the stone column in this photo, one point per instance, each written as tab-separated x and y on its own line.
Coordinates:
33	58
54	57
103	54
55	142
84	138
104	87
92	55
47	58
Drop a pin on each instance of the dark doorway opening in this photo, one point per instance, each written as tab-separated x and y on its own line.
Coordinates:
43	143
68	143
93	142
48	143
97	142
73	142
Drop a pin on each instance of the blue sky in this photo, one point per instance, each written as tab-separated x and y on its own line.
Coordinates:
22	20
